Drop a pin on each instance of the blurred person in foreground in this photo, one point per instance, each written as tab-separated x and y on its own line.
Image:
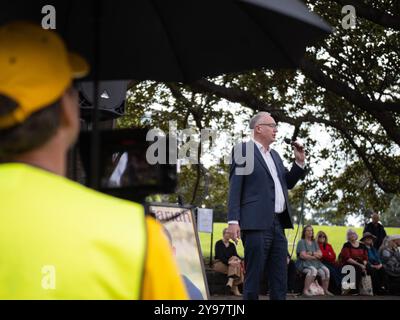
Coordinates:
59	239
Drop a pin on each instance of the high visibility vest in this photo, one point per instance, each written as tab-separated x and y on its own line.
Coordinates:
61	240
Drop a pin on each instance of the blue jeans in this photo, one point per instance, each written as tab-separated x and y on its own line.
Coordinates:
265	249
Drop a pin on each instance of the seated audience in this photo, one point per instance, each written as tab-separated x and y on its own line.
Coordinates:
227	261
354	253
390	257
329	260
374	266
309	263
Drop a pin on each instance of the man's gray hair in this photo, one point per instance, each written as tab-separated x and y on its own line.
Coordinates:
256	118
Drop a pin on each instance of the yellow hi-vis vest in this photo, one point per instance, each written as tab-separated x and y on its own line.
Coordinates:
61	240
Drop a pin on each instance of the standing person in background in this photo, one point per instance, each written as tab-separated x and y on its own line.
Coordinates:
377	229
258	206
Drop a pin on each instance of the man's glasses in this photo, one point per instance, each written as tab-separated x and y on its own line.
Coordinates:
271	125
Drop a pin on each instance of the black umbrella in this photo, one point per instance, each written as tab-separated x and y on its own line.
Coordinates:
179	40
176	40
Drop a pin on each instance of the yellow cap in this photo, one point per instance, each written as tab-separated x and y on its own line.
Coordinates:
35	69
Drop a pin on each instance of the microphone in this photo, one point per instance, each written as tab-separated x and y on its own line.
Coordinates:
294	144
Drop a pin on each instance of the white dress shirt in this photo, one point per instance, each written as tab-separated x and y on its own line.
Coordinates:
280	203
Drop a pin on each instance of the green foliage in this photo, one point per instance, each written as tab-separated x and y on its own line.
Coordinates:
358	73
365	166
391	217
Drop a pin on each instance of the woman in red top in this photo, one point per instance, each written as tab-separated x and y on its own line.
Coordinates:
328	255
355	253
329	260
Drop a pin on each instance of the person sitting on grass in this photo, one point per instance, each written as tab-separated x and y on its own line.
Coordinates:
374	266
309	255
227	261
390	256
329	260
355	254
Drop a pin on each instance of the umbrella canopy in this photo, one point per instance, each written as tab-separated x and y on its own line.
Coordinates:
175	40
179	40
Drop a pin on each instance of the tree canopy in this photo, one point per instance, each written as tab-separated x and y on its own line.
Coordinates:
348	85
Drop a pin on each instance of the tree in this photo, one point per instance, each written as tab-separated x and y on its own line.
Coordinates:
348	84
391	217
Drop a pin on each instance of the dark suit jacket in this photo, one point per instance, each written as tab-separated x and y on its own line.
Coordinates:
252	197
378	231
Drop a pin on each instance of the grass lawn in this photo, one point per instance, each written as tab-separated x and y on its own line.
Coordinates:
336	236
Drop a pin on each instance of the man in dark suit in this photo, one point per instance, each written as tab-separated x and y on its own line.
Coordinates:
258	207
